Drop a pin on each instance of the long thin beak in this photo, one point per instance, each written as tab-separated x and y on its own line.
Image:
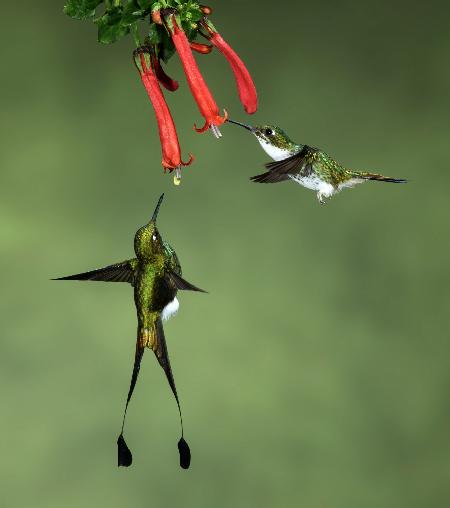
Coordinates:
248	127
155	213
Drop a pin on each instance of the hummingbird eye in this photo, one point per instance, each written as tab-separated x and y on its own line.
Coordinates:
154	236
268	132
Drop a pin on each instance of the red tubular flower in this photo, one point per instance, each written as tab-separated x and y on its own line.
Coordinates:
205	101
204	49
166	81
171	154
244	82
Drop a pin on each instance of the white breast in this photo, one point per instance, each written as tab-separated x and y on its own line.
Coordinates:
275	153
170	309
312	182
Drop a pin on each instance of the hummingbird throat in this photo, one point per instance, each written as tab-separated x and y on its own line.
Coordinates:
274	152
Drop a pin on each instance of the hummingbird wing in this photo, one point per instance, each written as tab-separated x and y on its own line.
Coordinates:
279	171
173	274
181	283
119	272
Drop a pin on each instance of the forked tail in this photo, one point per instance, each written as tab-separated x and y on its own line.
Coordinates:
154	339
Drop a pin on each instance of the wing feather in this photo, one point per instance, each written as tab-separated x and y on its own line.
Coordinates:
181	283
280	171
119	272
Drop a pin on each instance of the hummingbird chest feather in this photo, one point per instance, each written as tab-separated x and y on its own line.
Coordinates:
312	181
152	291
274	152
321	173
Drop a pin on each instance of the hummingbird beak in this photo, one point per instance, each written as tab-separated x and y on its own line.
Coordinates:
155	213
248	127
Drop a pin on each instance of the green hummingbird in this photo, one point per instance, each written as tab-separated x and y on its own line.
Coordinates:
305	165
155	274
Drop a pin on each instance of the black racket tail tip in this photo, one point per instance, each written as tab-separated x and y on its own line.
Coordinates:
124	456
185	453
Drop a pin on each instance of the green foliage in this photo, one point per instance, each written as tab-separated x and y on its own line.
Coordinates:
120	17
81	9
166	48
154	35
132	12
147	4
111	27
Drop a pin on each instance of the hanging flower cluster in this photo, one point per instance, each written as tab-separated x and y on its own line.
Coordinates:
174	26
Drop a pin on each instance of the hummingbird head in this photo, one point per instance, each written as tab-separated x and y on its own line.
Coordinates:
148	244
275	142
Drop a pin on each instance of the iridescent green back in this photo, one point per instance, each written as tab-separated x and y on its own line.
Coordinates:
328	169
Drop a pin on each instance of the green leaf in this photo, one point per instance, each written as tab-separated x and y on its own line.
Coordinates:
110	27
167	49
145	4
196	14
81	9
156	6
191	33
135	34
154	35
132	13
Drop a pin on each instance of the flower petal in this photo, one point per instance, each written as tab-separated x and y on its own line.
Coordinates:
166	81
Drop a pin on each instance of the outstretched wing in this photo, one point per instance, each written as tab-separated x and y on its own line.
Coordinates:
279	171
181	283
119	272
173	272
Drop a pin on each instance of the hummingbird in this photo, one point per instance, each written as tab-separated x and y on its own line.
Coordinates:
305	165
155	274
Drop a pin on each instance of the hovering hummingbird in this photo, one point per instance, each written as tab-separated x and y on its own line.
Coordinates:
303	164
155	274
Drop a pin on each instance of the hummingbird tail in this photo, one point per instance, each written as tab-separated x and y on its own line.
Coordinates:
124	456
379	178
154	339
159	346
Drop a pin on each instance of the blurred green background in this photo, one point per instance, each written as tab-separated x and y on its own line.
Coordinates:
316	372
